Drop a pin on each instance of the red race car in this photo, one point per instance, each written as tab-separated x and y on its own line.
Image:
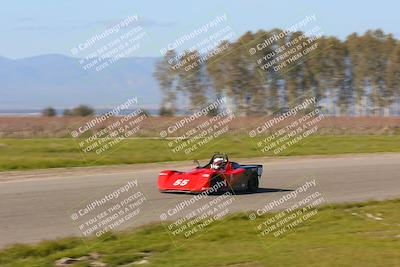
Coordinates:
219	174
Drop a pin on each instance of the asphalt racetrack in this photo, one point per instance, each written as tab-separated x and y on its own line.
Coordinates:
37	205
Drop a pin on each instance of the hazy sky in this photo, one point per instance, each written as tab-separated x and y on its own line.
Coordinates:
30	28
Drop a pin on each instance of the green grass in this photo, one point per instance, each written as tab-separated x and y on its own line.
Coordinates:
340	235
19	154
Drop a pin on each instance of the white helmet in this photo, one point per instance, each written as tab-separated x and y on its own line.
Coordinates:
217	163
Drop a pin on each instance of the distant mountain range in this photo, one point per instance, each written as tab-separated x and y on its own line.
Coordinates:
61	82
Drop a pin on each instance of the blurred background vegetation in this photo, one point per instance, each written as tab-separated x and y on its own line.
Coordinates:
357	76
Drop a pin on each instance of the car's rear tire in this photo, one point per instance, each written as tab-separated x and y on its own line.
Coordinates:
252	184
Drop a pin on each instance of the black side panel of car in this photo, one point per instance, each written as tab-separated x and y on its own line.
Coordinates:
250	169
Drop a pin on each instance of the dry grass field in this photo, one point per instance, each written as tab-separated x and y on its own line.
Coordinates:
55	127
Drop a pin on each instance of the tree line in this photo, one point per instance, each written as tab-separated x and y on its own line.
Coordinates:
356	76
79	111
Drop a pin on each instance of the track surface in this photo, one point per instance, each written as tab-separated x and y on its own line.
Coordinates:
37	205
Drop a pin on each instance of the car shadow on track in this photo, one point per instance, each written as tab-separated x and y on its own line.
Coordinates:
259	191
263	191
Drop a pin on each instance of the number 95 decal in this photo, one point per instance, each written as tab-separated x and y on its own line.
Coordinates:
181	182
